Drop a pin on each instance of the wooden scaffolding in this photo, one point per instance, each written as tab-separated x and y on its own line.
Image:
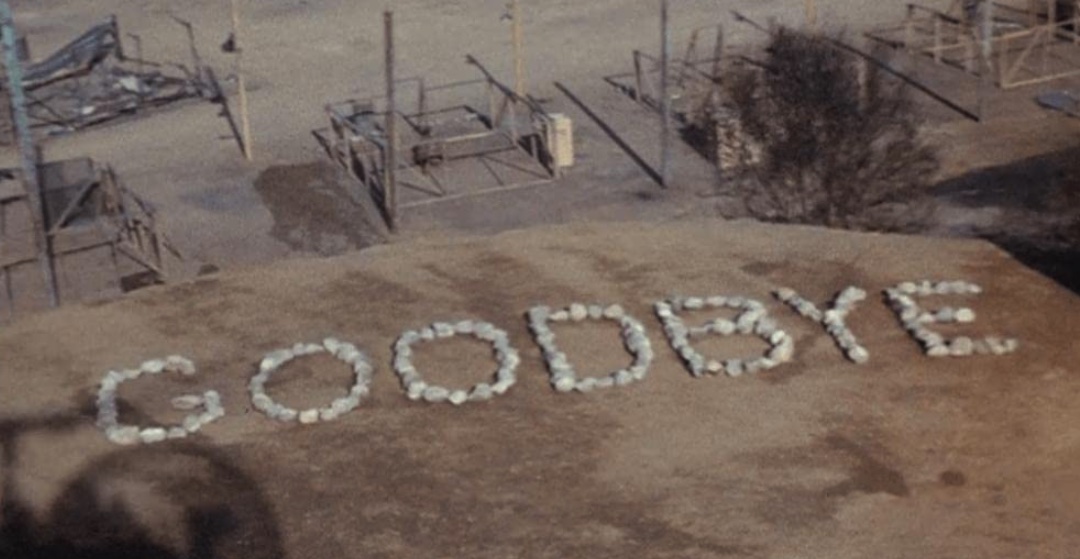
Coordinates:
1013	44
101	237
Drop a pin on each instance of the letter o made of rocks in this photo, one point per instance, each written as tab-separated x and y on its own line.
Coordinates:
413	382
563	376
752	320
343	351
108	414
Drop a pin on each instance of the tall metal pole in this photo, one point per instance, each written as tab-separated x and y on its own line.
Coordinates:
665	98
519	65
390	179
27	151
245	122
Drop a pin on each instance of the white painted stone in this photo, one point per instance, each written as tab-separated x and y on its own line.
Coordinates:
153	435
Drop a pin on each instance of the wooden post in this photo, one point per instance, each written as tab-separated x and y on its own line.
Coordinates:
519	65
638	80
986	38
718	54
245	123
665	100
390	180
27	151
421	105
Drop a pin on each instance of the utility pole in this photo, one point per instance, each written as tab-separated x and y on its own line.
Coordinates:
27	151
390	172
519	65
245	122
665	97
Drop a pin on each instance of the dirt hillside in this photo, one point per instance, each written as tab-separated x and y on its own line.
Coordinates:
905	456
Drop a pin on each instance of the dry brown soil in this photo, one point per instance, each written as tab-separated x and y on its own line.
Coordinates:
904	457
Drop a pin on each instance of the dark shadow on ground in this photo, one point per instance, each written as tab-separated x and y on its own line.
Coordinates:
1039	198
1056	261
116	506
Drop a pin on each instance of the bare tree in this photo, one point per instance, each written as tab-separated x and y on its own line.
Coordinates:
830	144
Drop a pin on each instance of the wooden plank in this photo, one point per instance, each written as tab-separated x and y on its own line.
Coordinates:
390	170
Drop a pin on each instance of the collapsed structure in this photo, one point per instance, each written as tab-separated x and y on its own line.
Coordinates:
100	236
92	80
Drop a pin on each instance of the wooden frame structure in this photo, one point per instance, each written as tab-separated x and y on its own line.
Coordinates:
361	132
85	208
1026	45
694	79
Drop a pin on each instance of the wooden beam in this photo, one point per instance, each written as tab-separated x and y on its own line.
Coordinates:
245	122
390	171
519	65
665	97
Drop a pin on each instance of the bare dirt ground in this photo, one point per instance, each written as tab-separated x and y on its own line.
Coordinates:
906	456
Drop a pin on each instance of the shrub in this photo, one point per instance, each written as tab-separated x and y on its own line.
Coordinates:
829	148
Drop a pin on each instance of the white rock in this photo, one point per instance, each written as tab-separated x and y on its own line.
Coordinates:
443	329
961	346
153	435
785	294
274	359
328	414
693	303
716	301
458	397
176	433
564	383
124	435
435	394
965	315
153	367
187	402
605	382
332	345
464	327
578	312
309	416
937	350
359	391
427	334
481	392
858	354
623	377
714	366
342	406
639	371
560	316
734	367
614	312
180	365
288	414
502	386
586	384
261	401
192	423
723	327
